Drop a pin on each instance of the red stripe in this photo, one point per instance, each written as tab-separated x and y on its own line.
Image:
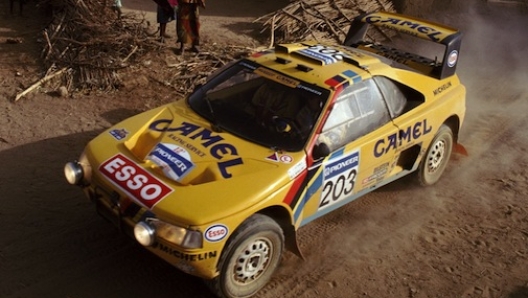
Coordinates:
294	189
332	82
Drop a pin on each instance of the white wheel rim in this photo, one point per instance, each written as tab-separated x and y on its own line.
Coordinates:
436	156
253	260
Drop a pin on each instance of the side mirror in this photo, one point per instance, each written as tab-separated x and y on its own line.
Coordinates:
320	151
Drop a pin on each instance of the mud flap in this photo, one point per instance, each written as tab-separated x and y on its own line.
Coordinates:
460	149
292	244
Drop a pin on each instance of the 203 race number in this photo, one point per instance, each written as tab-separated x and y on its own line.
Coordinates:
339	179
336	189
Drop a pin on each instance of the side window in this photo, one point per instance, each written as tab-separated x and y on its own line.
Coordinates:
399	98
358	110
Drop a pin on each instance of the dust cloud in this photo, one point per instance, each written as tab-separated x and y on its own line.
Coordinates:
494	68
494	44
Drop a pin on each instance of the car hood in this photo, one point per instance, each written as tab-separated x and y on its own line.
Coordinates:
203	174
186	149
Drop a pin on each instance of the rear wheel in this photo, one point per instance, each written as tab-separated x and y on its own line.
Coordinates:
249	258
436	158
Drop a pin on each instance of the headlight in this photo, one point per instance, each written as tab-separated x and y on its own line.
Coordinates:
180	236
74	172
144	233
78	172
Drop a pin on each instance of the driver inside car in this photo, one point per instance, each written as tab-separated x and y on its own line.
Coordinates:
307	115
275	105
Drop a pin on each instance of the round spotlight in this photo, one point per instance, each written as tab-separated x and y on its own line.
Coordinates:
73	172
144	233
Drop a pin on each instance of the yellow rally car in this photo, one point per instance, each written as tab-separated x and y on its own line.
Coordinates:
218	185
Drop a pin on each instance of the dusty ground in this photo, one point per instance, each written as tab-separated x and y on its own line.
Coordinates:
465	237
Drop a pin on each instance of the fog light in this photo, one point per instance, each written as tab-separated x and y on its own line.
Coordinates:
144	233
73	172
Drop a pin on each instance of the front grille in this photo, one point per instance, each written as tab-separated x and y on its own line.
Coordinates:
120	211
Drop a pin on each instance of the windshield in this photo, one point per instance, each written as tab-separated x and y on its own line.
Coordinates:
261	105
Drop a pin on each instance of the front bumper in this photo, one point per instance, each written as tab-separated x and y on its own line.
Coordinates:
125	214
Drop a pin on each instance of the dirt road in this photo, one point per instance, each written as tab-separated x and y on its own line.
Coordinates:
467	236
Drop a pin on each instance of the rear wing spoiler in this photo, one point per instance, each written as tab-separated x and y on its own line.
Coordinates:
449	37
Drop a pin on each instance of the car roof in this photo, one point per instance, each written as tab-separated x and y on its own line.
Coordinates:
328	66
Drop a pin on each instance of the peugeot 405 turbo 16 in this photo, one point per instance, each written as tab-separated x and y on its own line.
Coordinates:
218	184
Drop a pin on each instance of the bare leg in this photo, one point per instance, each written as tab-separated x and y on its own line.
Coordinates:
182	48
118	11
163	28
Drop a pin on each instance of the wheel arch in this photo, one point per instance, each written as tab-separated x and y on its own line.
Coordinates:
410	157
453	123
283	218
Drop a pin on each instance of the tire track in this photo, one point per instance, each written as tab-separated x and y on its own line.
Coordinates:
372	223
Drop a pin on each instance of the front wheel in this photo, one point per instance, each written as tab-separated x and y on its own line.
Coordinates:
435	160
249	258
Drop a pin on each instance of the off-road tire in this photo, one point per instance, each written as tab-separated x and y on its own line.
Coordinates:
436	158
249	259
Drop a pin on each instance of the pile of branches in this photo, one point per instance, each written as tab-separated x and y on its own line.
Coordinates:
185	74
318	19
88	43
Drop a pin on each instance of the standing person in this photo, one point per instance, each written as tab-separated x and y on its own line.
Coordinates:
188	24
116	7
165	14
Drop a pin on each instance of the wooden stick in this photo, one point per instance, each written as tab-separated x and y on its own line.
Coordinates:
272	39
129	55
58	27
40	82
49	44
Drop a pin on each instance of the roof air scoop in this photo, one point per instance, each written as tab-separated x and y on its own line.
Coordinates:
304	68
282	60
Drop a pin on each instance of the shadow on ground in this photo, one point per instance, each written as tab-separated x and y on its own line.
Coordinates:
80	253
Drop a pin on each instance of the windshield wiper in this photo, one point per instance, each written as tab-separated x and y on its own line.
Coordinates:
214	123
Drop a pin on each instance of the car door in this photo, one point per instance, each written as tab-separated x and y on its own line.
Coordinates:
355	135
414	127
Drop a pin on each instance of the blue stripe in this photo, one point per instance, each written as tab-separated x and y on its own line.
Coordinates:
316	184
352	75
